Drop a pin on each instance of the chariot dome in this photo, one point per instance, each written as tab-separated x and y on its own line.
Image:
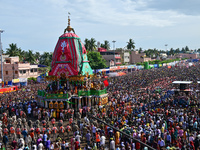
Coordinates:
70	56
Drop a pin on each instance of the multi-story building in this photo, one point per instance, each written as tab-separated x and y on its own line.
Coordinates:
136	57
13	69
125	56
110	57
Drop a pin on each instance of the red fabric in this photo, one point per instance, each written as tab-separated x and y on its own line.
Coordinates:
106	83
66	55
76	145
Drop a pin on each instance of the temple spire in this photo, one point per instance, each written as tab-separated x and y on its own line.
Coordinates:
69	28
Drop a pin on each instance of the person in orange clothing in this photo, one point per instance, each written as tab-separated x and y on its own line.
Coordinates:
98	139
117	136
12	132
32	134
18	131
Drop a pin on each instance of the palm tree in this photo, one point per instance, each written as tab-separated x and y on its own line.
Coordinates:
87	44
46	58
106	45
30	57
37	56
130	44
21	54
13	50
92	45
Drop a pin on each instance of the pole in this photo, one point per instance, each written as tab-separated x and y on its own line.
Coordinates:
114	50
166	46
1	31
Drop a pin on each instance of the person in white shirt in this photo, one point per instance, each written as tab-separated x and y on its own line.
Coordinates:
34	147
67	145
78	138
40	146
102	141
112	145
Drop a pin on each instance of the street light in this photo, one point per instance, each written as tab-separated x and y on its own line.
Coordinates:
166	46
114	50
1	31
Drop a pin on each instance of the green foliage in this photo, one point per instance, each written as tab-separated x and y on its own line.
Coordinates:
106	45
159	61
32	79
139	63
96	60
90	45
130	44
46	58
29	56
13	50
43	70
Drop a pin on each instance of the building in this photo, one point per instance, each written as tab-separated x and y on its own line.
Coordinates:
13	69
136	57
110	57
125	56
189	56
4	56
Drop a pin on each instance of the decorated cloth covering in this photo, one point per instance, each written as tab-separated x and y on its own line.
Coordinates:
69	57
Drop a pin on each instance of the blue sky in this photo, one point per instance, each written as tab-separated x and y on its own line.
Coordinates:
37	24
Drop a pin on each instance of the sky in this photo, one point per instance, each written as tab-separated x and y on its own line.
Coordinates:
37	24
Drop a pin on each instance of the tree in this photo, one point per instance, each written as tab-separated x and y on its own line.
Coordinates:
171	52
177	51
187	49
37	57
140	50
87	44
183	50
21	54
106	45
130	45
29	56
92	45
13	50
46	58
96	60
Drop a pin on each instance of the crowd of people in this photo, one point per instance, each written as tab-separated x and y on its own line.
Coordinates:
161	119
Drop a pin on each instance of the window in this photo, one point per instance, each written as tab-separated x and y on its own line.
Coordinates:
16	72
31	70
6	72
24	71
35	70
21	71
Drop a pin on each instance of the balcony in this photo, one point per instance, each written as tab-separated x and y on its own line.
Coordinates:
117	57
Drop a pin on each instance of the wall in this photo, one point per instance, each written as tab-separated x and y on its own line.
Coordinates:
14	69
136	57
